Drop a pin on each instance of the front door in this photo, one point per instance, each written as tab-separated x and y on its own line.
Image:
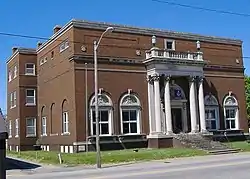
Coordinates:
177	120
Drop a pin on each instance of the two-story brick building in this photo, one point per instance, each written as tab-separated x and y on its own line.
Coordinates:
147	92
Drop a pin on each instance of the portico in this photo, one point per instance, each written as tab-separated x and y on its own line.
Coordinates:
169	105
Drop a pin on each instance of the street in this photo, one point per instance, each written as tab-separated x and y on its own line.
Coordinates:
223	166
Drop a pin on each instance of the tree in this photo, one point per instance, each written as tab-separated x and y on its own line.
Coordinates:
247	89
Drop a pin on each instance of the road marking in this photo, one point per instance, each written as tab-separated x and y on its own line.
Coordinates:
169	171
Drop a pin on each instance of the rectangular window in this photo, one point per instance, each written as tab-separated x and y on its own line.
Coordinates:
29	69
30	97
10	75
129	119
30	127
44	128
11	100
103	121
231	118
17	128
10	129
169	44
14	99
65	122
64	46
15	72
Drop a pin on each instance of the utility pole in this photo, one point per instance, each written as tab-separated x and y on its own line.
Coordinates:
98	152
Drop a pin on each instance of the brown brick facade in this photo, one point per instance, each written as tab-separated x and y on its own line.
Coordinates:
60	81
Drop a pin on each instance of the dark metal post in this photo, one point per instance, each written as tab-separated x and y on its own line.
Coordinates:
3	137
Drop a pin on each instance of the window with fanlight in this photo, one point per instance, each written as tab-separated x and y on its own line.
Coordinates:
130	110
211	112
231	112
105	115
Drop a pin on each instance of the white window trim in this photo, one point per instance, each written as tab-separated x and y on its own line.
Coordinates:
31	135
136	107
169	40
64	123
30	104
63	46
110	120
44	126
34	69
14	99
216	108
15	72
106	107
138	117
10	75
234	107
236	117
17	128
11	100
10	129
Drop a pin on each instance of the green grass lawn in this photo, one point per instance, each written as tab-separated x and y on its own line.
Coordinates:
243	145
108	157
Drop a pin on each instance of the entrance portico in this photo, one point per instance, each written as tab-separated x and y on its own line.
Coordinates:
167	100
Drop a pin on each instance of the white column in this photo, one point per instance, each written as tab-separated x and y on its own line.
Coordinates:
202	106
168	106
192	103
151	104
157	104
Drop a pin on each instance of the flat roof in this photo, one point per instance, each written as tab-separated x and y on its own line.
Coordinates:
139	30
21	50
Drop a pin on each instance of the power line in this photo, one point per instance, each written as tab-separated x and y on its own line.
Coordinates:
139	46
202	8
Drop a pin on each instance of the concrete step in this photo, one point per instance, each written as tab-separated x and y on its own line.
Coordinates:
224	151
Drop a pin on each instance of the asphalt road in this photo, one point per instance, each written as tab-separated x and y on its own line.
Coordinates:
223	166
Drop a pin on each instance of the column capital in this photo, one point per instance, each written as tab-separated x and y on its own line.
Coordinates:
149	79
200	79
167	78
191	78
156	77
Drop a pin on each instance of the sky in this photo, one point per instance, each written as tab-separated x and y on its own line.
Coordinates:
37	18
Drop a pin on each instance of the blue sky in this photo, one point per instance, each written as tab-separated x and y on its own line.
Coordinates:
37	18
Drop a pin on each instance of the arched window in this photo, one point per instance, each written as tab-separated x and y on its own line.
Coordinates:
176	92
130	110
65	117
231	112
105	115
211	112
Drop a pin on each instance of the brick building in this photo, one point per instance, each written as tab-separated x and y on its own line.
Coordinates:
147	92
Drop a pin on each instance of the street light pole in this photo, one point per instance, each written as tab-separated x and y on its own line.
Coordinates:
98	152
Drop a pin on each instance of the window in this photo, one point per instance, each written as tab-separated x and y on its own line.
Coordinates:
10	129
11	100
10	75
105	115
17	128
231	112
65	123
30	127
14	96
44	124
15	72
64	46
211	112
30	97
130	114
169	44
29	69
